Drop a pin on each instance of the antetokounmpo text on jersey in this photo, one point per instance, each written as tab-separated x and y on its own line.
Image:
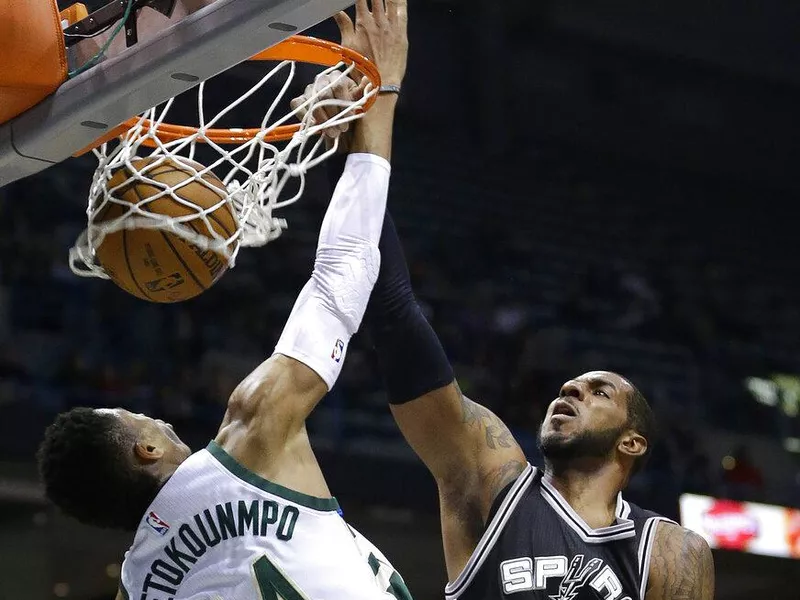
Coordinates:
208	529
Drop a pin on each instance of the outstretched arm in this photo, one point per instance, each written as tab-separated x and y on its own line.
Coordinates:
264	427
472	455
469	450
681	567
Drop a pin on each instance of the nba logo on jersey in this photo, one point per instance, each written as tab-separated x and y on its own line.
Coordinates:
338	350
159	526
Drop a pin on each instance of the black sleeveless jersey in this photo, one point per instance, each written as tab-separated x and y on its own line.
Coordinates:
536	547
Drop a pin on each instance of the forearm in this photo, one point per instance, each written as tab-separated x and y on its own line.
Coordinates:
461	442
331	306
264	425
373	132
411	357
328	310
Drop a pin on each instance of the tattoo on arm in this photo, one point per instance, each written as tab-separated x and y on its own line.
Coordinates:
496	433
501	477
683	567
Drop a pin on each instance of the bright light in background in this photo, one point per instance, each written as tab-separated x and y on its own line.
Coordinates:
763	390
792	444
728	463
782	392
61	590
112	570
790	386
778	390
743	526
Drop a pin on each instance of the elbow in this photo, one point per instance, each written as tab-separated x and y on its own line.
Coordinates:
259	394
275	394
251	399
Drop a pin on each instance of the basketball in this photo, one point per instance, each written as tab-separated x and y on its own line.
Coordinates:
158	265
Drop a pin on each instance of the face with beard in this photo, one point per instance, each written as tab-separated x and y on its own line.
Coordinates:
589	419
584	444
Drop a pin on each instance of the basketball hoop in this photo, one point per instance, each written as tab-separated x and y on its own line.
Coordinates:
253	169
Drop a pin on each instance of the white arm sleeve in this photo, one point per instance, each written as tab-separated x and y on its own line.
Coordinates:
330	307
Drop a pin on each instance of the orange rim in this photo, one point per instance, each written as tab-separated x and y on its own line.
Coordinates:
297	48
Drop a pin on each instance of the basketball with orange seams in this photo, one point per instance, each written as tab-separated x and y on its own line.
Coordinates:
159	265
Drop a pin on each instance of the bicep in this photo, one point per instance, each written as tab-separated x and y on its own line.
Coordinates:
682	566
468	449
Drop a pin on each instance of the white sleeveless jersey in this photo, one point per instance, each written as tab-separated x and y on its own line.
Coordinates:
217	531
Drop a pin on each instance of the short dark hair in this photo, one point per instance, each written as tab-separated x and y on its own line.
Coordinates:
86	464
642	420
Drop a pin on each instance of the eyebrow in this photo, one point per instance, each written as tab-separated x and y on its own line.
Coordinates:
600	381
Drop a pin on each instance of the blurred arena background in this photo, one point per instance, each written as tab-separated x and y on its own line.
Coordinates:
579	185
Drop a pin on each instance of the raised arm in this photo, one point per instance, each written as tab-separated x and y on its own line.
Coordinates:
681	567
472	455
469	450
264	426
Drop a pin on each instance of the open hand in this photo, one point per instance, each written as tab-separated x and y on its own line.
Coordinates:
380	34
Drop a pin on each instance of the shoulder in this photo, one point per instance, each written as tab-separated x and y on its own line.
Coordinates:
681	565
671	536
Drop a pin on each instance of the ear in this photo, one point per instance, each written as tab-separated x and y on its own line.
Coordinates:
147	451
632	444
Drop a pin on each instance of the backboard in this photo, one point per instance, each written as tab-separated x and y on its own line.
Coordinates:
200	39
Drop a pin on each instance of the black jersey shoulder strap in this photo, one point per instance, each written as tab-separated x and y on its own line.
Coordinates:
492	534
498	501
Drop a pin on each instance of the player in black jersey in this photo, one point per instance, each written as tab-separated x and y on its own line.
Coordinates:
563	533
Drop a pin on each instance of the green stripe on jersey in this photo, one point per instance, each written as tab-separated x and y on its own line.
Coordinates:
374	563
398	588
243	473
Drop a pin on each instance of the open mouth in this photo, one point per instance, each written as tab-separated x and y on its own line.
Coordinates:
563	408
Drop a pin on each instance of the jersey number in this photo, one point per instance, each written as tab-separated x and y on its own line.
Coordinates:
273	584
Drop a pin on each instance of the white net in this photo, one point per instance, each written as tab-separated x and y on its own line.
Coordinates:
248	178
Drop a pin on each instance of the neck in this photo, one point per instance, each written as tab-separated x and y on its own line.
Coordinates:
591	490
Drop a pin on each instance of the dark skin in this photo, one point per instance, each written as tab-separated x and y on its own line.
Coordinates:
473	457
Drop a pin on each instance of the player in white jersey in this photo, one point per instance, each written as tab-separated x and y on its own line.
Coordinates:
251	517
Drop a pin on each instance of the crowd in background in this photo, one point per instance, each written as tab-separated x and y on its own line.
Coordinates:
576	189
528	281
